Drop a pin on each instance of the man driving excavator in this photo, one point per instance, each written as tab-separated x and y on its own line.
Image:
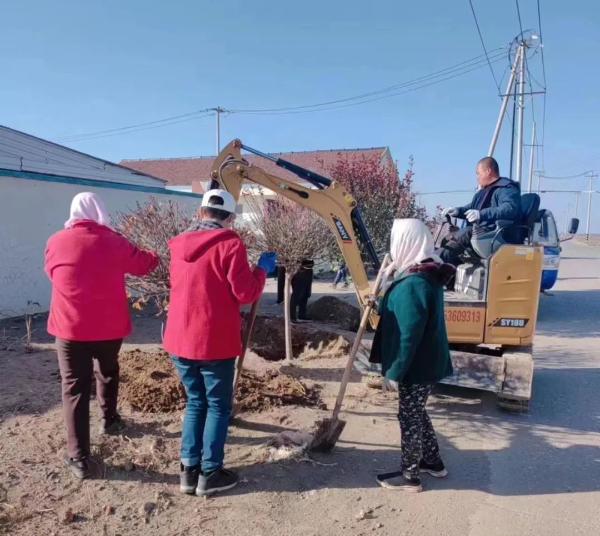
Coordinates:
498	199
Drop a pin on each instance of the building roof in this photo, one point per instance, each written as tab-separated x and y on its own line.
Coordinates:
24	152
184	171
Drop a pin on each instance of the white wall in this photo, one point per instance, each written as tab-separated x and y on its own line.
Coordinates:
30	211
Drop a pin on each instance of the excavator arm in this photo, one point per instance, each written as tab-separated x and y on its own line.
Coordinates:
327	198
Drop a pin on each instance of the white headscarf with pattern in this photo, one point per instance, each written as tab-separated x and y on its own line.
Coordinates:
411	243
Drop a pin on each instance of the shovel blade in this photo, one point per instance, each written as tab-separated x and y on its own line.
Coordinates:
327	434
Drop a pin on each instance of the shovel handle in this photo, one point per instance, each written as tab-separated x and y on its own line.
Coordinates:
245	342
359	334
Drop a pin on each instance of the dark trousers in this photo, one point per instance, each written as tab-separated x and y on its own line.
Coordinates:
280	284
299	304
77	362
456	246
418	437
301	291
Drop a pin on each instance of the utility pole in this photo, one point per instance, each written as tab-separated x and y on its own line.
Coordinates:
576	204
218	111
531	159
507	95
520	111
589	214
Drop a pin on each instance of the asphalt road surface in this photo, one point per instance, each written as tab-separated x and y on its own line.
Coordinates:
541	471
536	473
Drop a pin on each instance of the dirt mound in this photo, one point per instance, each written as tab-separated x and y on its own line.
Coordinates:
259	392
268	340
149	382
336	311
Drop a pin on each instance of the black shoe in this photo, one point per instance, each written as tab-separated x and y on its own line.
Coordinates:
219	480
434	469
399	481
188	479
79	467
112	426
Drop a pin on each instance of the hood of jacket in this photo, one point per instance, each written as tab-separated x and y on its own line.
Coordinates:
503	182
191	245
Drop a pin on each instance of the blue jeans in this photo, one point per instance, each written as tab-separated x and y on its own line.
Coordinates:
342	275
209	389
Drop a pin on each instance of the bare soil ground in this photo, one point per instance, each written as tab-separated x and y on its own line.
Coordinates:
527	474
135	487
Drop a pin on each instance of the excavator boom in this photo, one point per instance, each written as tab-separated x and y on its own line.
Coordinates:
326	197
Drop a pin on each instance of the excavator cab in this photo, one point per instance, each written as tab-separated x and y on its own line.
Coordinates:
491	315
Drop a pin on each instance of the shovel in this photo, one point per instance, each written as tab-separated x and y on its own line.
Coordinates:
236	407
330	430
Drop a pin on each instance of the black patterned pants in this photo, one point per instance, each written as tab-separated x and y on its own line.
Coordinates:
418	437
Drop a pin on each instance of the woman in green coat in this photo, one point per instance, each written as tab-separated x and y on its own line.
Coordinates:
412	346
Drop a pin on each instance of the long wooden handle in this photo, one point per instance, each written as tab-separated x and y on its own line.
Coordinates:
359	334
245	343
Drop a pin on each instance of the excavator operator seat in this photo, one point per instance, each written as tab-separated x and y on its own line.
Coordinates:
486	242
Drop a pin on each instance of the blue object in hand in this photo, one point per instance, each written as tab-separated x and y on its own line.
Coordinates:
267	261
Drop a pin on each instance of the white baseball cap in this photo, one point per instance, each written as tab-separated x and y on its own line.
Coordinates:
228	200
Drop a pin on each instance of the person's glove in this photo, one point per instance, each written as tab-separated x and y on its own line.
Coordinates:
267	261
450	211
473	216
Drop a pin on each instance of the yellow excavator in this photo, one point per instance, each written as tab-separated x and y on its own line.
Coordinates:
491	314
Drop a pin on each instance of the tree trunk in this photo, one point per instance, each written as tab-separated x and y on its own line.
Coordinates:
288	320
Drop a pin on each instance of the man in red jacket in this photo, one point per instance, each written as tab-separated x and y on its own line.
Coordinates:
89	316
210	279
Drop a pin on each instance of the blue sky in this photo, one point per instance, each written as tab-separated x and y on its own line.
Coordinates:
79	66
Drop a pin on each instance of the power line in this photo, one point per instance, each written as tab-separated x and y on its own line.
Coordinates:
358	103
534	79
158	121
567	177
460	68
483	45
442	75
519	14
545	81
119	133
541	42
448	192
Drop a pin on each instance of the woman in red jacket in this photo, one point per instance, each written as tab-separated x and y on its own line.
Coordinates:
87	262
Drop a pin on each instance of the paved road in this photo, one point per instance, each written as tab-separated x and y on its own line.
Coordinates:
531	474
542	471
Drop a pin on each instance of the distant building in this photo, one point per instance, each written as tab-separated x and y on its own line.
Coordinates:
192	174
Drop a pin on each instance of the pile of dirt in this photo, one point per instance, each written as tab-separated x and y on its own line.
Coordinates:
333	310
308	342
149	382
260	392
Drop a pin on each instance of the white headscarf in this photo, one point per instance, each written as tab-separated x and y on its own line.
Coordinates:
411	243
88	206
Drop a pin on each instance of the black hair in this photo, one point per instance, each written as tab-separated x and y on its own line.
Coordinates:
217	213
492	164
